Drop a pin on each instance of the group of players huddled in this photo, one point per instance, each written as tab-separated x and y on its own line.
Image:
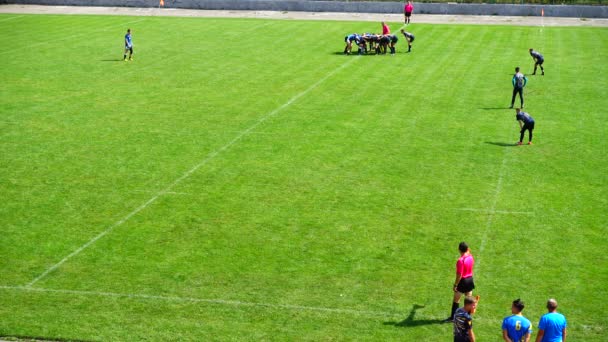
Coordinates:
376	43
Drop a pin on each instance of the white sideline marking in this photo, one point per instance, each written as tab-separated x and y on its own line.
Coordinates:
489	211
166	193
201	300
5	19
67	37
209	157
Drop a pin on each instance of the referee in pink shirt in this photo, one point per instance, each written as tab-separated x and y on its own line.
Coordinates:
464	277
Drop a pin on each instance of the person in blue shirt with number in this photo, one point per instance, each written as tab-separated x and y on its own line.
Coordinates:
516	328
128	46
552	325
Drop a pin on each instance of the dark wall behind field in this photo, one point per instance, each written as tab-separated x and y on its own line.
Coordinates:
343	6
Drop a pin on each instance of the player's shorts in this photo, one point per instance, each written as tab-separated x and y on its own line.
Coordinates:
412	39
408	14
528	125
465	285
130	48
394	38
540	61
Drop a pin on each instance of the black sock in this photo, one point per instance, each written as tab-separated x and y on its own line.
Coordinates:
125	56
454	308
521	136
392	49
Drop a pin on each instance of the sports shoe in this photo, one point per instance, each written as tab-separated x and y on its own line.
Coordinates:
130	58
519	143
529	143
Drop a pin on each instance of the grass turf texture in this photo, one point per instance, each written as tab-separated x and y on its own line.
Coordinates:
351	194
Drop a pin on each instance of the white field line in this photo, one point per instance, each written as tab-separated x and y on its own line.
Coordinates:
202	300
496	211
209	157
492	209
11	18
166	193
68	37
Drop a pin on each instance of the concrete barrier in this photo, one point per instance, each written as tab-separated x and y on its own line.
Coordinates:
343	6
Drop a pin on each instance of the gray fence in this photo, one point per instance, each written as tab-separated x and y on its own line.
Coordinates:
345	6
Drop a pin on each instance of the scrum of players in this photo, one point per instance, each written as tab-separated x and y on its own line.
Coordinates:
371	43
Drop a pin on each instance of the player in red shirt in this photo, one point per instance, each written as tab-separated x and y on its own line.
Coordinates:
385	29
464	277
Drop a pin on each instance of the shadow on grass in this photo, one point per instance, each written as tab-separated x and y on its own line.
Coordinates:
494	108
409	321
111	60
503	144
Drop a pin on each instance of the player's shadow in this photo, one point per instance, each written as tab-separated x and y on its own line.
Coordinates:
494	108
410	321
502	144
111	60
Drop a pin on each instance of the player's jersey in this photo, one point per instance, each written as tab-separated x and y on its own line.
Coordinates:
464	265
408	36
353	38
536	55
128	41
517	327
519	80
553	324
525	117
463	323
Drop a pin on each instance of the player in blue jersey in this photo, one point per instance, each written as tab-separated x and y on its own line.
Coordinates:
349	40
519	82
538	61
516	328
128	46
526	122
552	325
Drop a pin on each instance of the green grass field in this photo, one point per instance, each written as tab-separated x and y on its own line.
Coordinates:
243	180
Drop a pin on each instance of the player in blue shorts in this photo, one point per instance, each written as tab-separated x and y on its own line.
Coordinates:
128	46
516	328
538	61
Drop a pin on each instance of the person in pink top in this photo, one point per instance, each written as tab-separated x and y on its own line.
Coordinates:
385	29
407	11
464	277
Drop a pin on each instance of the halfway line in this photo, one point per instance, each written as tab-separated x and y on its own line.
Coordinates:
188	173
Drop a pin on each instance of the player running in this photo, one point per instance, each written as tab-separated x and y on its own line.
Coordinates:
538	61
128	46
519	82
410	39
526	122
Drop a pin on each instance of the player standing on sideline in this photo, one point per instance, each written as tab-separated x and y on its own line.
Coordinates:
519	82
516	328
128	46
464	277
526	122
538	61
407	11
552	325
463	321
410	38
385	29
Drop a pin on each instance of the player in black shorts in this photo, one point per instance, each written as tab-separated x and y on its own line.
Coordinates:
538	61
383	44
394	39
526	122
410	39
